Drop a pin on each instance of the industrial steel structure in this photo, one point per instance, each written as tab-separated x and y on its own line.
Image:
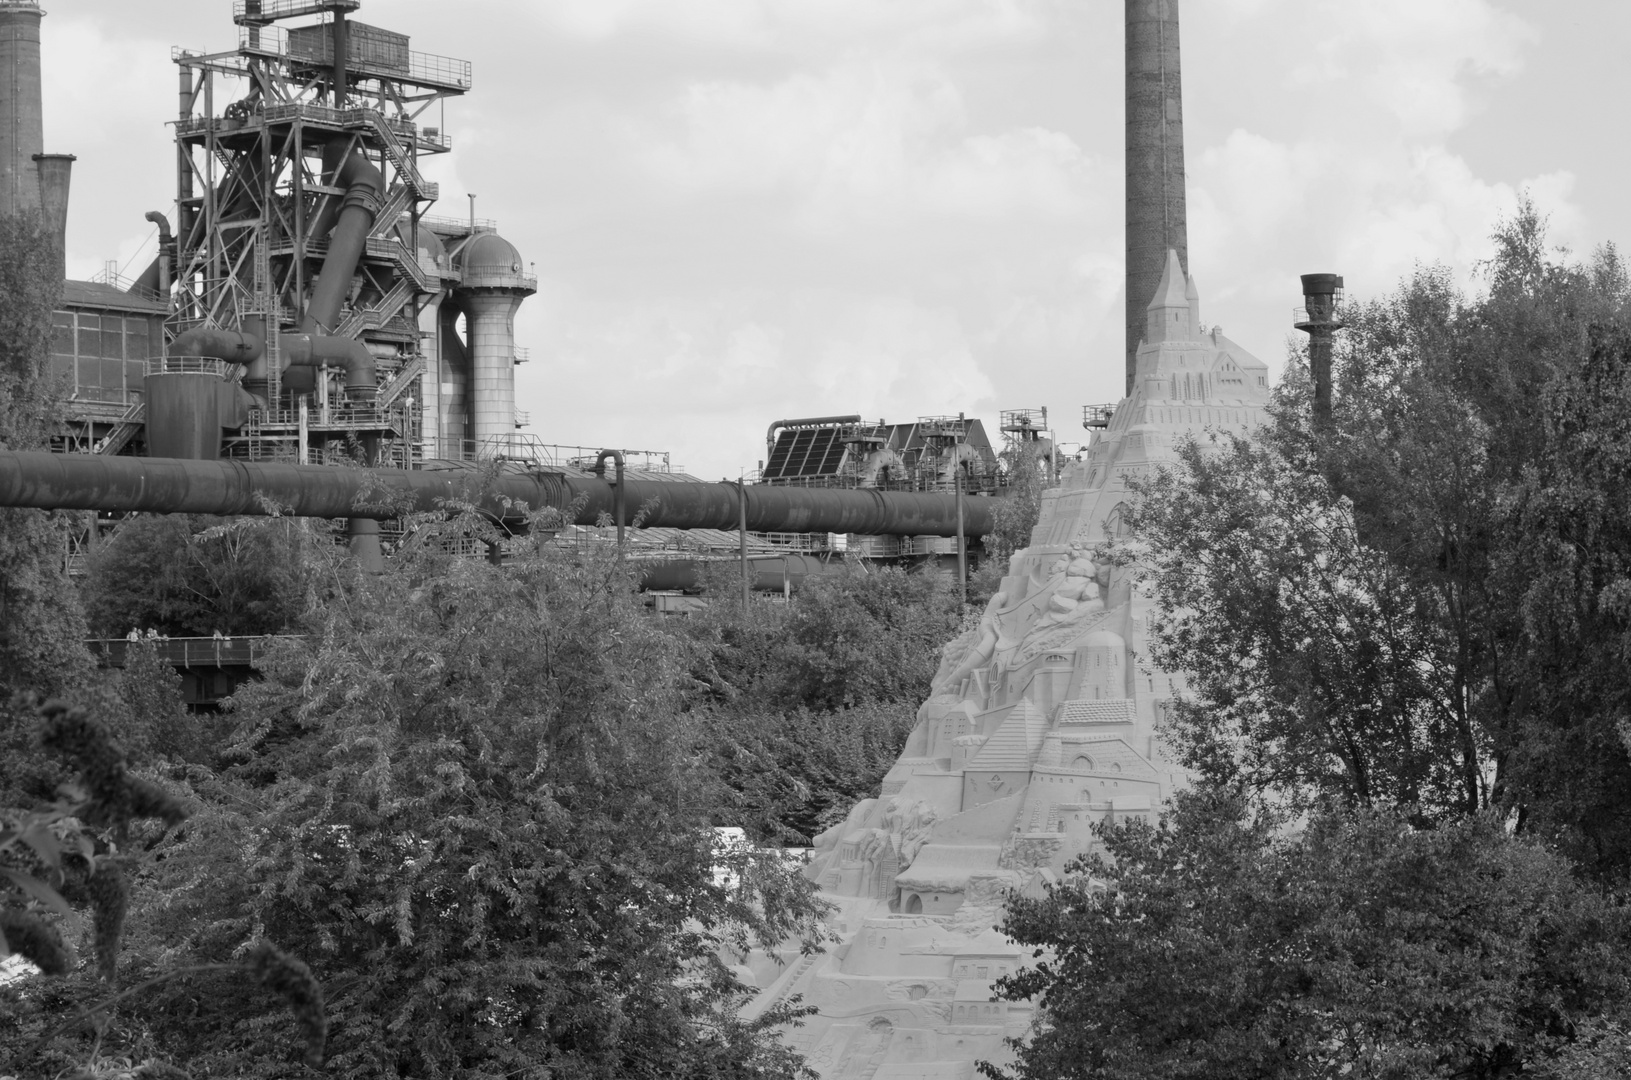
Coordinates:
304	312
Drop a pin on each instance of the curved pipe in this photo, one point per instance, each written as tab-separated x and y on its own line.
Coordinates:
233	346
175	486
365	189
770	432
156	278
352	356
600	471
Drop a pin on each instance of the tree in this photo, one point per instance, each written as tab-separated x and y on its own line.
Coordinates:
477	797
1219	944
191	576
812	701
1417	604
1312	669
41	626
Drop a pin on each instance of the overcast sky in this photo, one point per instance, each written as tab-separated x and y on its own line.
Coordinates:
743	210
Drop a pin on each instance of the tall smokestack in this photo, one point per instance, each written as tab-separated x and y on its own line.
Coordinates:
1155	159
54	171
22	127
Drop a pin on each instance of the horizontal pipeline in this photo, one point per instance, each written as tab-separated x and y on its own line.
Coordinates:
766	573
49	481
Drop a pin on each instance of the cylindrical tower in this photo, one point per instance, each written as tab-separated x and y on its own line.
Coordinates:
491	288
22	127
53	173
1155	158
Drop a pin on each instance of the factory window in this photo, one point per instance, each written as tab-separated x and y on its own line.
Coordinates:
62	333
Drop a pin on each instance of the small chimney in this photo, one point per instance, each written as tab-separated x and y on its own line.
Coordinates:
55	170
1322	293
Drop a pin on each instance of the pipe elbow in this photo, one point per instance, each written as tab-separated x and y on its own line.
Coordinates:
347	354
157	217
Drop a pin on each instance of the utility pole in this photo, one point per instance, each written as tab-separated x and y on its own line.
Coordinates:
957	480
742	540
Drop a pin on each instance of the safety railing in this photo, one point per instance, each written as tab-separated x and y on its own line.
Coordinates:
520	355
188	365
455	226
1301	318
1097	416
252	10
191	652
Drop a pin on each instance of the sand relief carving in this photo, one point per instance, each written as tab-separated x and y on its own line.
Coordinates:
1041	722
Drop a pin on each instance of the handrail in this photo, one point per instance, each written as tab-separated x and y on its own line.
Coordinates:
188	365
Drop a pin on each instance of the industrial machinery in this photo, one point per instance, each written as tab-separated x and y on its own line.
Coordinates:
934	453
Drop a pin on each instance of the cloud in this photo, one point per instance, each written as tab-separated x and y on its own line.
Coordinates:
746	209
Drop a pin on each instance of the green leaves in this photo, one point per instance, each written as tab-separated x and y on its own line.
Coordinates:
475	800
1219	945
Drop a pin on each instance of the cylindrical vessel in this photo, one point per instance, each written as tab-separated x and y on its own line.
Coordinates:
22	127
491	322
1156	218
183	415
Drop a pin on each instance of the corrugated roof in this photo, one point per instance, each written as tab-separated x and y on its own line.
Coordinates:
95	294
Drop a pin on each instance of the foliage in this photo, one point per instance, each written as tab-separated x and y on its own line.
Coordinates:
1420	605
788	776
478	798
79	850
1315	665
41	627
1218	944
812	701
193	576
154	722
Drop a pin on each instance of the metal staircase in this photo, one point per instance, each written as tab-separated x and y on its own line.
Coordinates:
125	430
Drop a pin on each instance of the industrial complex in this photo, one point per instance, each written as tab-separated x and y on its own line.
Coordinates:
306	311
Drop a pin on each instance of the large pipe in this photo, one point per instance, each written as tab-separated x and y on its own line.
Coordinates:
348	354
365	188
172	486
806	421
233	346
1156	215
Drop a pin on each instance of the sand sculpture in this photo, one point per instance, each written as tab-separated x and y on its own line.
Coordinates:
1042	721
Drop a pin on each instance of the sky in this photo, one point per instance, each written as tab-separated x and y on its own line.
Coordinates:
746	210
